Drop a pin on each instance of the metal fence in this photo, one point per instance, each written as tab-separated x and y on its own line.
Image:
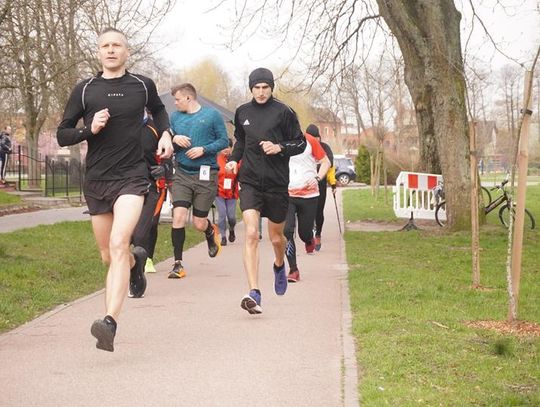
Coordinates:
63	177
54	176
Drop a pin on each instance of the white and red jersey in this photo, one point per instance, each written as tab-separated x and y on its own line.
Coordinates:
303	168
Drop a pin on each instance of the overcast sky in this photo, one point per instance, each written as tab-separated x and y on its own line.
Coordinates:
196	34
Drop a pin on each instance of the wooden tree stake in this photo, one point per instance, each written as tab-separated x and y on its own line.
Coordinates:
475	226
523	160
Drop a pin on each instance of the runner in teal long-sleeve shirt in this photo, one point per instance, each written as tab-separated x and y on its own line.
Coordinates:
199	134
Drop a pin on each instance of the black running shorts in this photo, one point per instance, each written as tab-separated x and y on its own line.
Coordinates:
271	205
101	195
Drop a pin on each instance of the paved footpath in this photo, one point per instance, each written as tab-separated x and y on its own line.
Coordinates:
9	223
188	342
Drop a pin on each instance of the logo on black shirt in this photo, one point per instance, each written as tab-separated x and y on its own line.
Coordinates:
246	123
115	95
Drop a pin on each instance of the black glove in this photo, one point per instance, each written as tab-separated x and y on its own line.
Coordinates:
163	170
157	171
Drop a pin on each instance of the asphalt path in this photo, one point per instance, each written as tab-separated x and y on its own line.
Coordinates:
188	342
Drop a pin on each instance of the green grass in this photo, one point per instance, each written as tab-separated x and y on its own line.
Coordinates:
497	177
8	199
45	266
411	296
361	205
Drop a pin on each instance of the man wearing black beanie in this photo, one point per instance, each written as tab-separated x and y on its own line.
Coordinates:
267	133
261	75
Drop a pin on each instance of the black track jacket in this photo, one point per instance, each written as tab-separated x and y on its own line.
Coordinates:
273	121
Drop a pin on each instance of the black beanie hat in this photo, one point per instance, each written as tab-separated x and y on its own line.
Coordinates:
313	130
261	75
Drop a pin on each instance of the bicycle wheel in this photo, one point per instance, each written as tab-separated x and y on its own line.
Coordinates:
504	216
440	213
486	196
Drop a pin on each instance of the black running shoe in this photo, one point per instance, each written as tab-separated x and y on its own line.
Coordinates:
104	333
232	236
223	241
137	279
214	242
177	270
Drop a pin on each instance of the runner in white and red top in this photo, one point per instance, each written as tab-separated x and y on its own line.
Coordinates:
303	197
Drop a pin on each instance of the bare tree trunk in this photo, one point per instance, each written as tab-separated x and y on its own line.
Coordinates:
428	35
34	165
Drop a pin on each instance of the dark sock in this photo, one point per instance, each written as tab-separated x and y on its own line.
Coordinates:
110	321
293	269
178	237
276	268
257	291
209	230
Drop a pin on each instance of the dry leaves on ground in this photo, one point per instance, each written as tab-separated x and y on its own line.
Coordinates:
519	328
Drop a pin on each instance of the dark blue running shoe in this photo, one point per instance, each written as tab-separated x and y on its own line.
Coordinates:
252	302
280	279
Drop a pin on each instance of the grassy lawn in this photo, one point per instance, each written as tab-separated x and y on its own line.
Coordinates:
497	177
8	199
49	265
411	298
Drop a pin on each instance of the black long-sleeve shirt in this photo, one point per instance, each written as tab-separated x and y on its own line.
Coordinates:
116	151
272	121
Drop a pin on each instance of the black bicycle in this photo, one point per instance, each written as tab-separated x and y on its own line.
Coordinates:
504	211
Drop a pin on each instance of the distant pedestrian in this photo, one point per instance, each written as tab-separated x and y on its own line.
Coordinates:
267	133
330	179
199	134
5	151
227	197
304	179
111	105
161	172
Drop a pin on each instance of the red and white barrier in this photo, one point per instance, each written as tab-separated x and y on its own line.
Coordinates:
413	193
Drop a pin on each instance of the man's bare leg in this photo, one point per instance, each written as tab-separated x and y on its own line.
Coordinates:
251	247
113	232
102	225
275	233
179	217
252	301
127	211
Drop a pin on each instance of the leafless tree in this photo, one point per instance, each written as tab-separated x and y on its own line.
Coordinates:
47	45
428	33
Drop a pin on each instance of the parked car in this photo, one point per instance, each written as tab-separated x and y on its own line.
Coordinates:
345	171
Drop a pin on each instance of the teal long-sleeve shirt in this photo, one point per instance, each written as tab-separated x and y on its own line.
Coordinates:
205	128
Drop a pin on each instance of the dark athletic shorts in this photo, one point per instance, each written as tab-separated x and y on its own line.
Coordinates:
188	189
271	205
101	195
